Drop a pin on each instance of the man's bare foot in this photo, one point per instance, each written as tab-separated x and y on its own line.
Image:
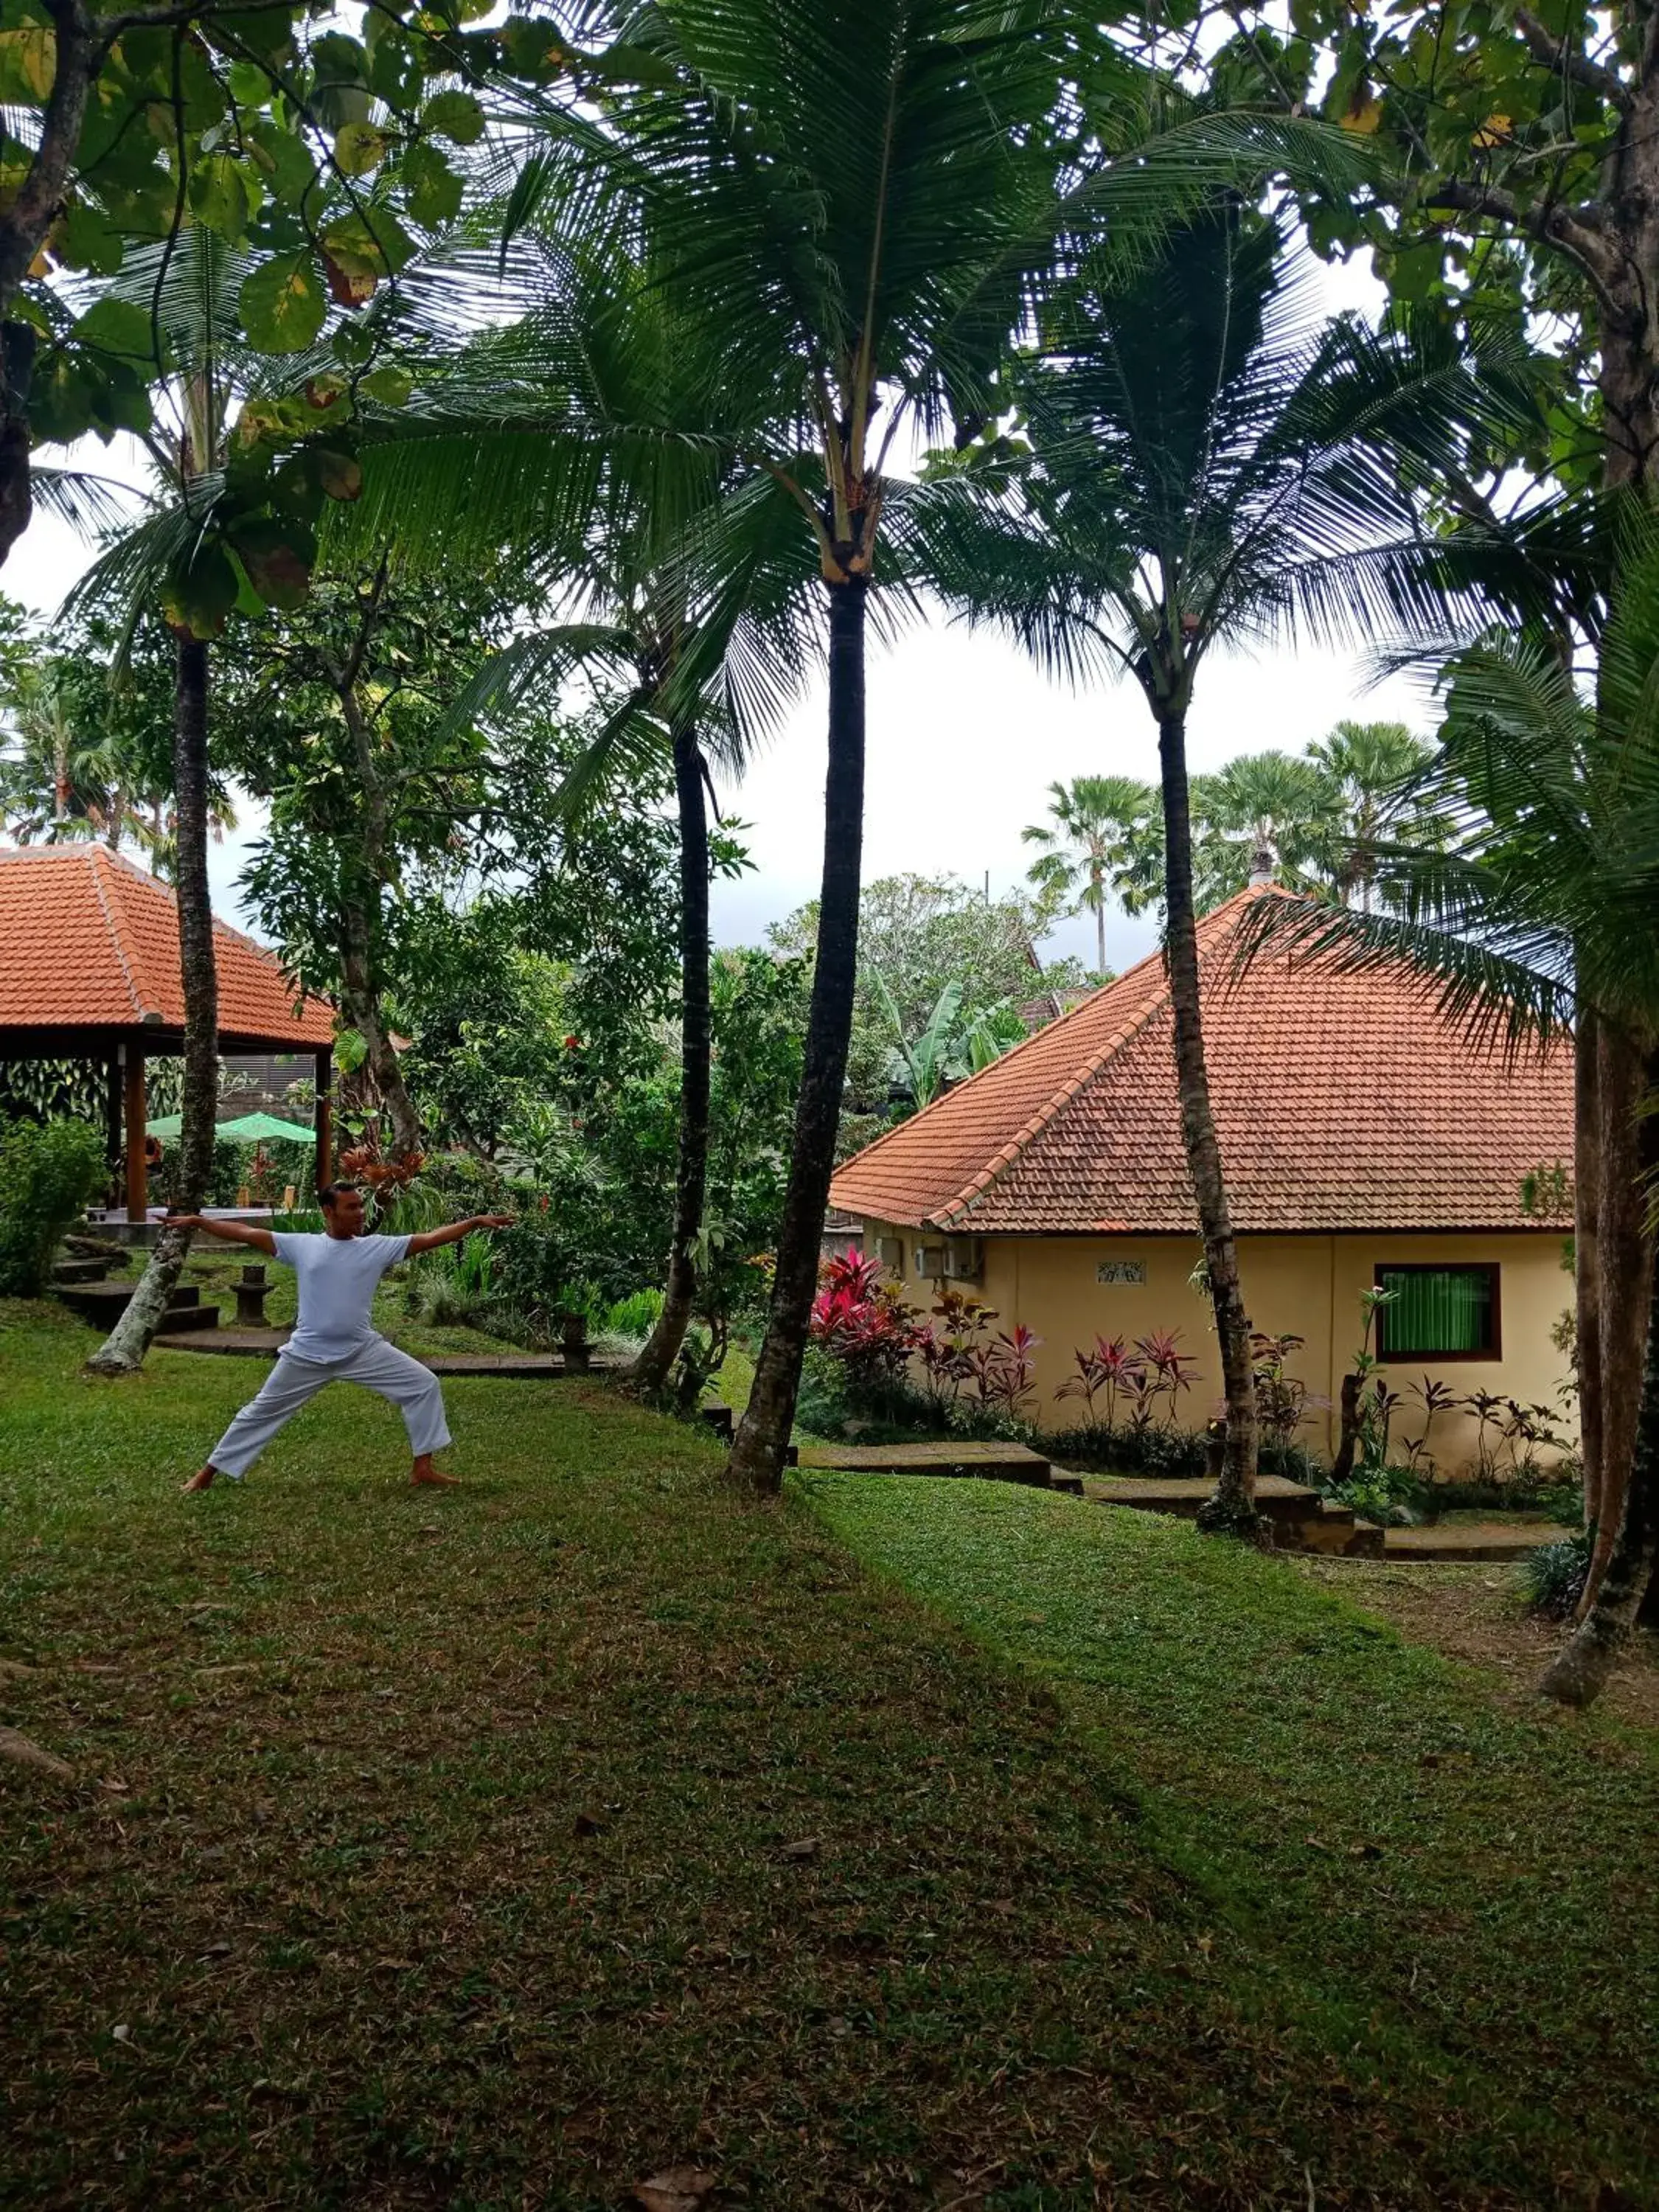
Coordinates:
202	1482
424	1476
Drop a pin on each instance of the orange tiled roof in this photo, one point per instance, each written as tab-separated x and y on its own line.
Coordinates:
89	941
1342	1101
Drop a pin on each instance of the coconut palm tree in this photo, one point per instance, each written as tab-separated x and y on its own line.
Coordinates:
1198	464
1094	845
1537	915
862	203
207	537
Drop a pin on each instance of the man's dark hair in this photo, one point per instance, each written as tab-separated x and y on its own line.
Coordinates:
332	1193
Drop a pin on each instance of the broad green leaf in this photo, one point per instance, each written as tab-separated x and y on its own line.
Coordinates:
283	305
250	87
121	327
89	241
359	148
283	160
390	387
455	115
219	195
267	32
29	62
372	236
433	190
199	598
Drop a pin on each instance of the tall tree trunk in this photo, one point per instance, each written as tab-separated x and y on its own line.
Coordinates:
360	1002
123	1352
651	1369
1586	1262
1232	1510
1581	1669
362	878
1622	1258
763	1437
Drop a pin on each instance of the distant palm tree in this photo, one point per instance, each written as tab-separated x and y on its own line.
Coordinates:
1261	817
1374	770
1095	843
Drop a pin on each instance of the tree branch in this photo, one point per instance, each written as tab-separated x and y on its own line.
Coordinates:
1569	62
32	213
1551	224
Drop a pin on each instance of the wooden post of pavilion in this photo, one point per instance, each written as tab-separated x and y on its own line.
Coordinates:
137	1177
323	1118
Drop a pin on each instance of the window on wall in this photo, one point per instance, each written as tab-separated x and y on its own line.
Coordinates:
1438	1313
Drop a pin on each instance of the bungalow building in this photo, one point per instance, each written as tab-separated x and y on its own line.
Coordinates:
1367	1142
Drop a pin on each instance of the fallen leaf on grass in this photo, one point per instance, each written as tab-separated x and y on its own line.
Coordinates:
18	1748
13	1670
588	1824
807	1848
677	2189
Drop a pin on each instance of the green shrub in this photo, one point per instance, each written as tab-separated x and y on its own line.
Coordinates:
635	1315
1553	1576
48	1173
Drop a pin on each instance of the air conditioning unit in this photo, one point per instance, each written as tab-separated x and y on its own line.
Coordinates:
965	1259
890	1250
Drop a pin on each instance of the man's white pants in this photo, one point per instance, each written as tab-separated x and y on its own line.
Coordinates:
377	1365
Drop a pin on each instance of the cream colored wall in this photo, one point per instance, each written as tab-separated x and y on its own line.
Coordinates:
1308	1287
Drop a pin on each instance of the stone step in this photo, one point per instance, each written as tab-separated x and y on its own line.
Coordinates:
990	1462
1504	1538
1276	1498
179	1320
1301	1520
102	1305
78	1271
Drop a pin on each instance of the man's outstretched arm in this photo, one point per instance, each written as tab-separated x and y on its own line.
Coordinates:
233	1232
428	1239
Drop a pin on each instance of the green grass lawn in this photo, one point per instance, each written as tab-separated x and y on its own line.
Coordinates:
912	1845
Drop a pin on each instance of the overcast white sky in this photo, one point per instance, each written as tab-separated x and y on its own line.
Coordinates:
964	738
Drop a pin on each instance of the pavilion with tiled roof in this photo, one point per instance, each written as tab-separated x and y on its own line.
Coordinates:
1362	1133
89	970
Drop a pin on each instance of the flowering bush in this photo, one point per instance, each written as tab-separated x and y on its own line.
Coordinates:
863	1321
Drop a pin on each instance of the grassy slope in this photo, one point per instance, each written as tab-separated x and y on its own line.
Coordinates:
500	1847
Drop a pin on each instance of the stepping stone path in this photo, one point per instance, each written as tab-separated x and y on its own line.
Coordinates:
990	1462
1301	1520
266	1343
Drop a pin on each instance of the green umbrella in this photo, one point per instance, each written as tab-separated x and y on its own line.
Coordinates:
264	1128
249	1129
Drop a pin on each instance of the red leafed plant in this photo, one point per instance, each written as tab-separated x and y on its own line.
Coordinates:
1005	1368
364	1164
1170	1371
863	1320
1102	1374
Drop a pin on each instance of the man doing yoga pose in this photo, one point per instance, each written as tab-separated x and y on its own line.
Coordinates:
335	1340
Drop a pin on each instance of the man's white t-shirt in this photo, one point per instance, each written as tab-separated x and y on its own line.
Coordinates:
338	1276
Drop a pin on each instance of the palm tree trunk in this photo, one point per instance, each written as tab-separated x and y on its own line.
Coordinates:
1587	1205
123	1352
1577	1675
650	1370
763	1437
1100	925
1231	1512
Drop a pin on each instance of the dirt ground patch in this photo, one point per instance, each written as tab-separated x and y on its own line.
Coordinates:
1475	1612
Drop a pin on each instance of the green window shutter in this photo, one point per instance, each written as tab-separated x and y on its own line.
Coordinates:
1436	1310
